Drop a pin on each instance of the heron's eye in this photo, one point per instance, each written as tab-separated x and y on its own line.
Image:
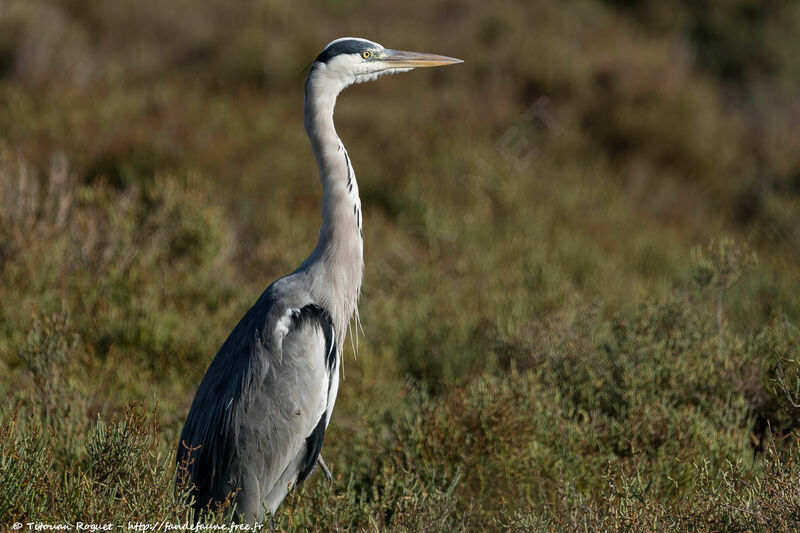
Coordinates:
366	54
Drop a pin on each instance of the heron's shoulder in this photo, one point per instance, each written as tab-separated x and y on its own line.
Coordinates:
289	306
292	291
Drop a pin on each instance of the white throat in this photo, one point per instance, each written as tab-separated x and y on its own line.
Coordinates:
337	264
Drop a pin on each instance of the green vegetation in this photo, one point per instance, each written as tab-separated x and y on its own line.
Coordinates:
582	291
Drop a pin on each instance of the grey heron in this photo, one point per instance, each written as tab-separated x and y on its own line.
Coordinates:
257	422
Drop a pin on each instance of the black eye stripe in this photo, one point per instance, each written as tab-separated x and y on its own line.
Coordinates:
349	46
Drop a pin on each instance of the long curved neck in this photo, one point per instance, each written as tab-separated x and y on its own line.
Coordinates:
337	263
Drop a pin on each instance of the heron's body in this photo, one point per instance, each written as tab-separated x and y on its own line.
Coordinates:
256	425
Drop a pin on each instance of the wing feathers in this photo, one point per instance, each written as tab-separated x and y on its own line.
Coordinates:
313	449
262	407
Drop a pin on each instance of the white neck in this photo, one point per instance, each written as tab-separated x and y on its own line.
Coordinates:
337	264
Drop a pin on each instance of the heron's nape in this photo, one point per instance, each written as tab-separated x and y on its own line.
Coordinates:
256	426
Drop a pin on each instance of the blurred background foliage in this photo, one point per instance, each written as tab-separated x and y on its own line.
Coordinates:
582	289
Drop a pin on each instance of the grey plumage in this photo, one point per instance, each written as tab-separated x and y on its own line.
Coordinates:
231	413
256	426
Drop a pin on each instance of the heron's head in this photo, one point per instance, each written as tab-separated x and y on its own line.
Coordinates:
353	60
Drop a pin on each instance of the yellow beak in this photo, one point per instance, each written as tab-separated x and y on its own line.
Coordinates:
403	59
